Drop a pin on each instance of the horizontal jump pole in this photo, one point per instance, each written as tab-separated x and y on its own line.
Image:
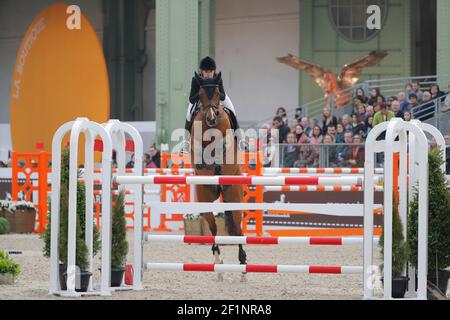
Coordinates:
338	209
319	170
243	180
318	188
250	240
254	268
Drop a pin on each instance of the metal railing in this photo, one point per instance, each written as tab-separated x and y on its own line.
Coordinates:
432	112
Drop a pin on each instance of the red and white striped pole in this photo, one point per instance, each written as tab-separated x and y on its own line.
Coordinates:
252	240
254	268
243	180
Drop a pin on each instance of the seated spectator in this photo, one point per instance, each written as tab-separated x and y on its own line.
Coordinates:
330	150
291	152
377	108
380	99
130	164
382	116
361	95
356	153
413	101
283	129
374	93
390	100
148	161
343	151
403	101
362	112
308	157
281	112
426	109
340	133
407	116
408	89
396	109
327	120
332	131
369	111
416	90
300	135
446	106
358	126
155	156
293	125
305	124
298	114
346	122
369	124
436	92
312	124
317	136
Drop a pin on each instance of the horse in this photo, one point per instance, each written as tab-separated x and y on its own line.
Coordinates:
212	115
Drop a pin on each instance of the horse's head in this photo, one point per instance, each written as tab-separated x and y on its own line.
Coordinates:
209	96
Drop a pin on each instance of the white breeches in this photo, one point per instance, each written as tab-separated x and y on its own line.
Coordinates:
226	103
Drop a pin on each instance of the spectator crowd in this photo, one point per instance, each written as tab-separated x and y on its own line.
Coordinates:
341	141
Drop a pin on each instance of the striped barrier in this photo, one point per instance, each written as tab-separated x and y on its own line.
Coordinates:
251	268
312	241
318	188
243	180
318	170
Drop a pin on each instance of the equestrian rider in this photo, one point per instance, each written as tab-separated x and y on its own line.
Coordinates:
208	70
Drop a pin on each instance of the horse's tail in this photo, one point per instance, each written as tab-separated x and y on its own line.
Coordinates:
229	223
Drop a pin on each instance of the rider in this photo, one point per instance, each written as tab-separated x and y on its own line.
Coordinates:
208	70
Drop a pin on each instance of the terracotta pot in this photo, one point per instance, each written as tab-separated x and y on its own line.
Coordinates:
22	221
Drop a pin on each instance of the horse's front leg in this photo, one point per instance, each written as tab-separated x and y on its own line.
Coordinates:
234	193
243	260
206	194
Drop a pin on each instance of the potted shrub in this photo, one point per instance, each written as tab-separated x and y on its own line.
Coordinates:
4	226
399	255
119	245
81	251
438	224
9	269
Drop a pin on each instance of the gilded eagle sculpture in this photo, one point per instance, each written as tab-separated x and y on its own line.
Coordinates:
327	80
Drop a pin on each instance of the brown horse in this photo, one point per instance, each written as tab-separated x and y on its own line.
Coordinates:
212	116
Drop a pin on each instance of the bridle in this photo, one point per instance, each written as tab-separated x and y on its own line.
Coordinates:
213	107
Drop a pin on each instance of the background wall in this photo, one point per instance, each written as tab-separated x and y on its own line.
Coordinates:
15	17
320	43
249	36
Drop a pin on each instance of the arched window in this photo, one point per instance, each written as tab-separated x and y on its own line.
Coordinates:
350	17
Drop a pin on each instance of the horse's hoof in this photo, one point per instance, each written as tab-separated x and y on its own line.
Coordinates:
243	277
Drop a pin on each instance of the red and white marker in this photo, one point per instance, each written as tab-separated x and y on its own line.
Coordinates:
243	180
254	268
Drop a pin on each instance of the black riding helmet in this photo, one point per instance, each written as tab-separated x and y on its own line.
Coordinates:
207	63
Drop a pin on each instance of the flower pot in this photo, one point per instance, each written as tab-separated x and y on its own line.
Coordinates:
84	277
399	287
443	276
21	221
6	278
24	221
117	276
62	278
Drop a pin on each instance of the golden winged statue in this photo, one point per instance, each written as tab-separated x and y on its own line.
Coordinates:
327	80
